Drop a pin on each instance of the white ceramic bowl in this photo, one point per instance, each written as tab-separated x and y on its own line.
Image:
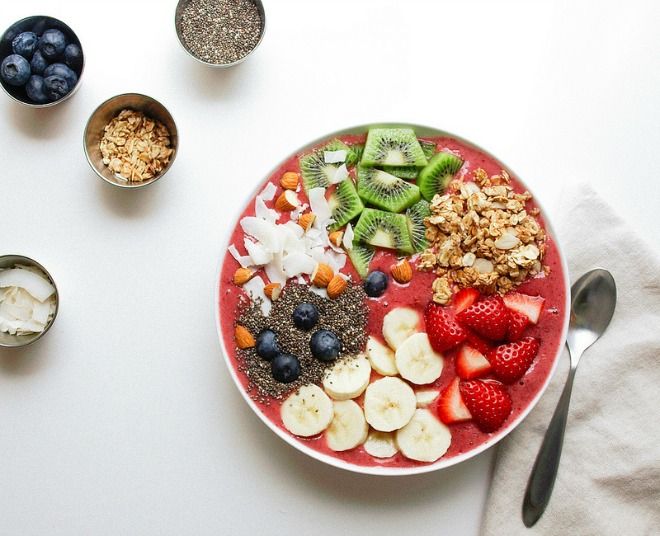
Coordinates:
421	131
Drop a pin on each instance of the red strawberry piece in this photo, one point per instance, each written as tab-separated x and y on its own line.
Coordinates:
517	324
511	361
464	298
471	363
488	317
530	306
478	343
441	327
487	401
451	407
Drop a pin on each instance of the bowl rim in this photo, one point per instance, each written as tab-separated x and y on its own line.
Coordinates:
129	185
382	470
82	68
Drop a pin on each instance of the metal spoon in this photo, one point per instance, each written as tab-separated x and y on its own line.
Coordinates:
593	299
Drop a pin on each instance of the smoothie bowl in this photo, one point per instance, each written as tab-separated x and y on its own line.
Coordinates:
392	300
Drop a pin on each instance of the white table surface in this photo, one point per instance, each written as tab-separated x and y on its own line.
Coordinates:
123	420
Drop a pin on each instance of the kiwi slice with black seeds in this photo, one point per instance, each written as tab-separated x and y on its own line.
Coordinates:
392	147
383	229
428	147
361	256
357	149
433	179
382	190
345	204
416	227
314	170
409	172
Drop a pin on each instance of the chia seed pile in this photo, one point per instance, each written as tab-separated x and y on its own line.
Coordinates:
220	31
346	316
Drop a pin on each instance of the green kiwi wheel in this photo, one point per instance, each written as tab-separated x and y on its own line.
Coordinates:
433	179
385	191
408	172
416	228
383	229
361	256
314	170
392	147
345	204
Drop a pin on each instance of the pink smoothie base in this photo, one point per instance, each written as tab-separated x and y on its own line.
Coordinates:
467	439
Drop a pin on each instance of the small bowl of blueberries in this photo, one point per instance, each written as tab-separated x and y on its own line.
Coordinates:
41	61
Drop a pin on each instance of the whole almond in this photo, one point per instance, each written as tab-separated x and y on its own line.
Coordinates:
322	275
243	338
273	290
402	271
336	238
289	180
287	201
306	220
242	276
336	286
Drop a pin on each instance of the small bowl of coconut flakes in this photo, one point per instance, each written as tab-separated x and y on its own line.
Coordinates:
28	301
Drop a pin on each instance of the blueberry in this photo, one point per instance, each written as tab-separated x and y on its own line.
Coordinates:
285	368
35	89
305	316
55	87
325	345
38	63
25	44
375	284
73	56
52	44
59	69
267	347
15	70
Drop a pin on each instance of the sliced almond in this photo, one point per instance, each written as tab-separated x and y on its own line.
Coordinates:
287	201
242	276
243	338
306	220
322	275
483	266
336	286
507	241
273	291
289	181
402	271
468	259
336	238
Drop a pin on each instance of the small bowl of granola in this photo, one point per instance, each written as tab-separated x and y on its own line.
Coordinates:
131	140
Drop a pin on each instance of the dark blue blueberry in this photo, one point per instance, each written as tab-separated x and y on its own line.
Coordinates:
35	89
52	44
15	70
59	69
375	284
25	44
305	316
55	87
73	56
38	63
267	347
325	345
285	368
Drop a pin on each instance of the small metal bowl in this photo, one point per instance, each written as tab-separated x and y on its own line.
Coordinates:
181	4
17	341
37	24
104	114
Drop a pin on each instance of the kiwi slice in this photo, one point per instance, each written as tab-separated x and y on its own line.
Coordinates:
361	256
315	172
433	179
428	147
385	191
358	149
408	172
416	227
345	204
338	145
392	147
383	229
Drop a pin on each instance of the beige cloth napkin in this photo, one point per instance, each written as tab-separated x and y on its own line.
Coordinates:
609	476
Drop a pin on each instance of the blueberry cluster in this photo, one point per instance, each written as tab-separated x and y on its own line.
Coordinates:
47	66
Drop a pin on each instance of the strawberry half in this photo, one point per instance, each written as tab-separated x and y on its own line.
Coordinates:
441	327
478	343
530	306
471	363
464	298
511	361
517	324
451	407
488	403
488	317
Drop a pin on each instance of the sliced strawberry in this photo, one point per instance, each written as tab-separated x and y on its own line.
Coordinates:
471	363
464	298
478	343
488	317
451	407
511	361
517	324
530	306
443	330
487	401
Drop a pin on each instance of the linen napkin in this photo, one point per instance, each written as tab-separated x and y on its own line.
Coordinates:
609	475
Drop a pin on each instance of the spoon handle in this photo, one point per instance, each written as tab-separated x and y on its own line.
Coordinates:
544	472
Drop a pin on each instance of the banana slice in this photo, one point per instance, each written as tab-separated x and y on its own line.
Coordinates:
426	397
307	412
399	324
416	360
348	428
424	438
380	444
381	358
347	378
389	403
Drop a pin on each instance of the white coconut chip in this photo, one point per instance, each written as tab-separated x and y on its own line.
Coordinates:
320	206
298	263
259	254
38	286
340	175
255	289
263	212
334	157
263	231
274	270
319	291
268	193
243	260
41	312
347	240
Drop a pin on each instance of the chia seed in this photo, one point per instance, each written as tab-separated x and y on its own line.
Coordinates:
220	31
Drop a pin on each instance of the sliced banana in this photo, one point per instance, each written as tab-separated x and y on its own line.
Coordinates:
424	438
380	444
307	412
348	377
399	324
416	360
381	358
426	397
348	428
389	403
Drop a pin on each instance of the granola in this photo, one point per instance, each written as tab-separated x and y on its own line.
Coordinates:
482	235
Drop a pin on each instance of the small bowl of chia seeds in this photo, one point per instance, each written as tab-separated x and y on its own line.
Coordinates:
220	33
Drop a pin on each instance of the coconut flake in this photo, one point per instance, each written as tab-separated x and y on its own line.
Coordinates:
255	289
243	260
319	291
320	206
41	311
334	157
347	240
259	254
263	212
263	231
39	287
274	270
268	193
298	263
340	175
